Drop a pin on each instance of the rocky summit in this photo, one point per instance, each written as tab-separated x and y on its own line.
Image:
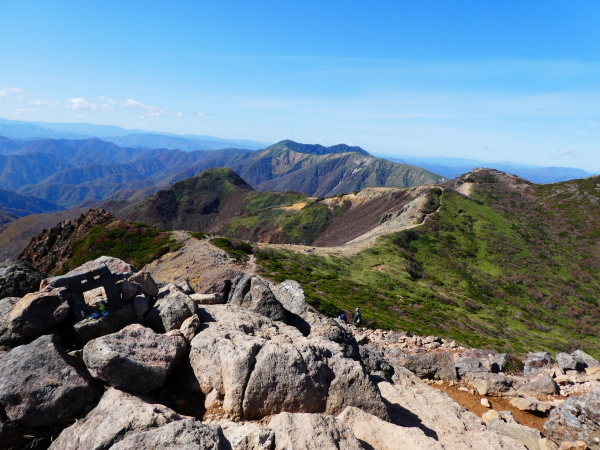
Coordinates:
105	357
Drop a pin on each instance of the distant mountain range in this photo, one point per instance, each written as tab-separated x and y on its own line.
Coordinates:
69	172
19	130
454	167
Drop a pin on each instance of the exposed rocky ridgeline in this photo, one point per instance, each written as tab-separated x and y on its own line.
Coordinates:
245	365
71	242
50	249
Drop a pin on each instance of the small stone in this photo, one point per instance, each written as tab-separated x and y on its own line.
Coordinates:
140	305
490	415
485	402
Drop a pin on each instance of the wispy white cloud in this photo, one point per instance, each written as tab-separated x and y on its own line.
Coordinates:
565	153
77	116
180	114
26	111
82	104
42	103
146	110
201	114
109	100
6	91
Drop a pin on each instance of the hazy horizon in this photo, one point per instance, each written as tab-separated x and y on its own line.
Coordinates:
511	81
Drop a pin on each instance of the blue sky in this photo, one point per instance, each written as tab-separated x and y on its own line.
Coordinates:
497	81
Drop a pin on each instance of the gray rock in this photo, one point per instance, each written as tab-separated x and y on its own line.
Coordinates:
383	435
539	385
222	355
140	305
565	361
252	293
128	290
262	367
375	363
490	383
113	321
467	365
18	278
311	432
115	265
247	436
37	312
185	434
117	415
208	299
184	286
39	384
583	360
309	321
189	327
135	358
576	419
7	336
145	283
536	361
531	404
499	362
434	366
530	437
169	312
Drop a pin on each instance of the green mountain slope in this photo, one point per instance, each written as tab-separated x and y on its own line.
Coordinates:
498	269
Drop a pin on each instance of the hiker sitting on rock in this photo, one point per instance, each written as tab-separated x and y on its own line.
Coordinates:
357	318
343	317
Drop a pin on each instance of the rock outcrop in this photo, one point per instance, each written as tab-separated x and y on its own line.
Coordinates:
18	278
40	384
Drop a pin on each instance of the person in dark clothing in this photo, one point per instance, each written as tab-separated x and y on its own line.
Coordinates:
343	317
357	318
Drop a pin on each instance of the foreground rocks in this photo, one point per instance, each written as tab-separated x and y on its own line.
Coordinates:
248	365
40	384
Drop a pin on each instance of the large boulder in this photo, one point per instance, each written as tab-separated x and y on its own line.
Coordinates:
18	278
170	310
433	366
117	415
577	419
412	403
262	367
311	432
309	321
115	265
539	385
250	292
467	365
583	360
40	384
37	312
186	434
383	435
135	358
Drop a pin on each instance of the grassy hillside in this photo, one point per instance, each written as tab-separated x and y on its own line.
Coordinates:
488	276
